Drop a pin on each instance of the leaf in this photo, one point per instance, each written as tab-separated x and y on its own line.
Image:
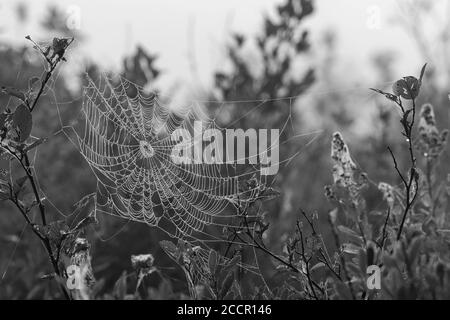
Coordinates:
429	226
353	268
4	194
347	231
28	200
399	87
3	183
121	288
333	215
389	261
232	263
59	46
414	248
317	266
414	87
13	92
23	120
20	183
226	285
236	290
170	249
49	276
343	291
212	261
407	88
362	261
350	248
350	234
422	72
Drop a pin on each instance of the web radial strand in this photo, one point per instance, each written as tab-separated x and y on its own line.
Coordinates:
126	139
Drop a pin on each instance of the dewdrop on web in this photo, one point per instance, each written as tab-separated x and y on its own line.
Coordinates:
171	162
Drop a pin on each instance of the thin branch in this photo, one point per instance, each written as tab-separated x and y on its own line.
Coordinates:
397	168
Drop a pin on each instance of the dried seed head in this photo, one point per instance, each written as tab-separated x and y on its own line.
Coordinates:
427	123
142	261
388	193
431	142
344	167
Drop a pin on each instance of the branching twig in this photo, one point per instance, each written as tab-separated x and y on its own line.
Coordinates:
411	183
21	155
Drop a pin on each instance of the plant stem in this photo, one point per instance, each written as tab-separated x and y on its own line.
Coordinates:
25	163
413	178
31	178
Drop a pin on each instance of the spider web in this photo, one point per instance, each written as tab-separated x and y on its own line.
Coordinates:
125	136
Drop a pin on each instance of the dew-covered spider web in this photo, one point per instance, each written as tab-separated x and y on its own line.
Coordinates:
125	135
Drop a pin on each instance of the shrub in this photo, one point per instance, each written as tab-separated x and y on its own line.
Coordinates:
405	239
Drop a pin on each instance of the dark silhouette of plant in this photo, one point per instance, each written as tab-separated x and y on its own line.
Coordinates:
266	76
16	143
406	88
405	240
400	226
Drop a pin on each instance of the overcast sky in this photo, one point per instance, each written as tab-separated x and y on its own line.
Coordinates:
183	31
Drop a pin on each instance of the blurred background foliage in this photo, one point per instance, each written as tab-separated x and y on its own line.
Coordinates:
282	42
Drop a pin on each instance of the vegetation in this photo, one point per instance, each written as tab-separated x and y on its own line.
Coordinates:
394	221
